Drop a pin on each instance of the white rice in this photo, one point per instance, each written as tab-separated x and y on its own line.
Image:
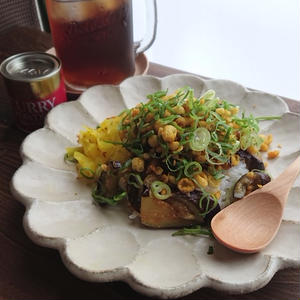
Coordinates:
227	184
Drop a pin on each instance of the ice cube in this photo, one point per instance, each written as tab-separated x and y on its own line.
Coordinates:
77	11
110	5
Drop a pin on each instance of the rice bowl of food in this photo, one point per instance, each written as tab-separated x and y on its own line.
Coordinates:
145	171
176	159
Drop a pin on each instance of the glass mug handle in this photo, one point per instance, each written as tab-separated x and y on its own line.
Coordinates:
151	27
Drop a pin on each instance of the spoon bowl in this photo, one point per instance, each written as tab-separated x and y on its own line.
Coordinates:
250	224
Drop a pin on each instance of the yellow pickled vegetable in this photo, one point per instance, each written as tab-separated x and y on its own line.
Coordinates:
94	148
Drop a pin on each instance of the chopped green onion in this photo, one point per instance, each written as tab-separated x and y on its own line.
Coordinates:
135	180
105	200
266	118
126	164
190	98
196	230
158	94
69	158
87	173
207	210
217	174
148	134
180	129
157	187
169	119
214	136
192	169
200	140
180	102
119	197
208	95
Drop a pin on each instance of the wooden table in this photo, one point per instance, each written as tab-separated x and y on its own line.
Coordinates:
28	271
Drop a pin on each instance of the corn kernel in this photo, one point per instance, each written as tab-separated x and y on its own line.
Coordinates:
167	113
156	170
173	146
189	121
185	185
234	110
160	131
212	181
269	139
235	125
202	181
227	113
181	122
273	154
153	141
149	117
203	174
217	194
252	150
264	147
202	123
220	111
138	164
157	125
228	119
235	160
179	110
169	133
135	111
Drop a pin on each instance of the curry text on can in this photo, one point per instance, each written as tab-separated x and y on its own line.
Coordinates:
35	84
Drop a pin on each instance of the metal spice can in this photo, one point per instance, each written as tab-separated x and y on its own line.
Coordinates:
35	84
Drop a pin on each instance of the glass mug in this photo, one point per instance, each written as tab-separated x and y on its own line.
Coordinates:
94	39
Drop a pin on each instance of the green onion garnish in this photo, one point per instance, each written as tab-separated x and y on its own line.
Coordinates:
105	200
87	173
160	190
69	158
200	140
135	180
196	230
192	169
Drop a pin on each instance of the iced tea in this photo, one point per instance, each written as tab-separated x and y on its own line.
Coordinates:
93	39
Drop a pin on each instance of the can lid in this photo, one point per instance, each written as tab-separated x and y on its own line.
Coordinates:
30	66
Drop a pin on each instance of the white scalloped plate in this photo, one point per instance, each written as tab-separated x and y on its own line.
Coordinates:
100	245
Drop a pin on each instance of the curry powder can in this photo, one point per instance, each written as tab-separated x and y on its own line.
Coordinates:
35	84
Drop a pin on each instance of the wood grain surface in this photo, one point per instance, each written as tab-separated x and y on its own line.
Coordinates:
28	271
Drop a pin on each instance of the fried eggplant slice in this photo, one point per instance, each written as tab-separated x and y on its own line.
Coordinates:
252	161
248	183
178	211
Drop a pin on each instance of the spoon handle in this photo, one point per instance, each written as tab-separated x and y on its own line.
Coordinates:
281	186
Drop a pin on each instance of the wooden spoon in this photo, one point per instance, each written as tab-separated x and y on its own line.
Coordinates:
250	224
